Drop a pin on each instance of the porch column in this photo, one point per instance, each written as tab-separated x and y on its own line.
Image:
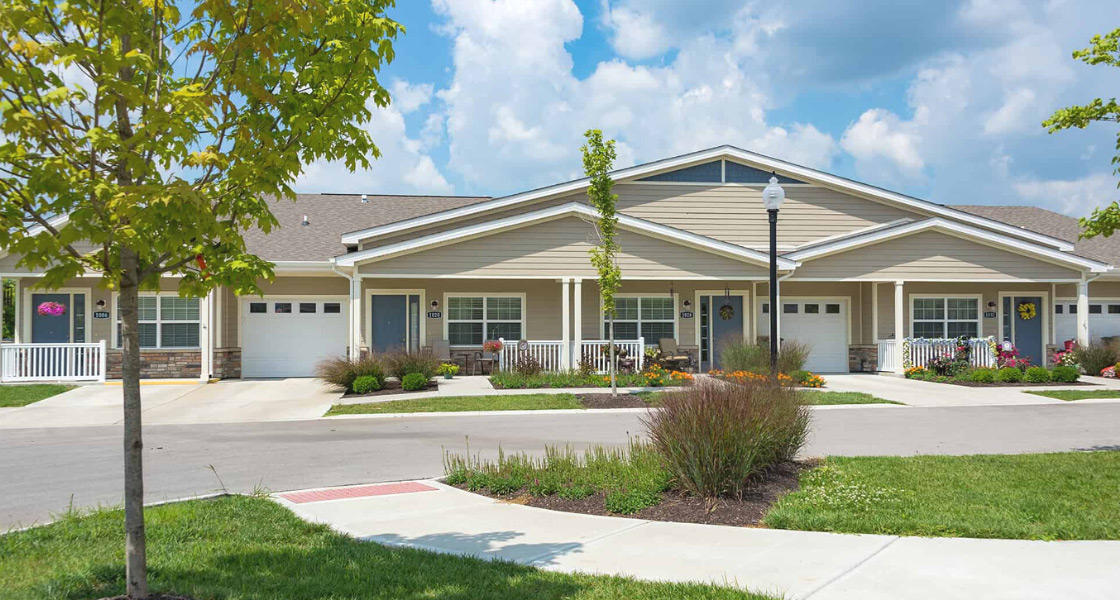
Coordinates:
899	326
566	323
206	343
3	305
751	310
1083	313
16	335
875	312
577	334
355	317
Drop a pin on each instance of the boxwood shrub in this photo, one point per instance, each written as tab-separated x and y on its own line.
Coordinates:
982	375
1038	375
366	384
414	381
1009	375
1065	374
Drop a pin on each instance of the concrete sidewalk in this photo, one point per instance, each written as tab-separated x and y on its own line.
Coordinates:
796	564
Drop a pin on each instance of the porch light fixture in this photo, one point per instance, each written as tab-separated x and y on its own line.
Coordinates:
687	304
434	304
100	304
772	197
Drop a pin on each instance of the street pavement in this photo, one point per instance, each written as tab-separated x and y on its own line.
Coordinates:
43	471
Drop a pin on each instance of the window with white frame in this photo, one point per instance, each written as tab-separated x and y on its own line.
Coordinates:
165	322
471	320
649	317
946	317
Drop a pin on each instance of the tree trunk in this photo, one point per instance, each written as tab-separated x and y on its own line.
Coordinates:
136	566
613	357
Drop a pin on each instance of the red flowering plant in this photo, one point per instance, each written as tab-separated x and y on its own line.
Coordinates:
492	346
1008	356
51	309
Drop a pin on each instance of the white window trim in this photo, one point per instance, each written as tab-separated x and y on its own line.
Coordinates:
979	298
159	321
640	295
484	295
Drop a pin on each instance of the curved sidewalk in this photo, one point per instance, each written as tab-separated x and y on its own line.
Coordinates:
796	564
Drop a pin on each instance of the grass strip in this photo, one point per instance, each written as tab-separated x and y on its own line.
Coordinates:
1067	496
819	398
253	549
22	395
461	404
1071	395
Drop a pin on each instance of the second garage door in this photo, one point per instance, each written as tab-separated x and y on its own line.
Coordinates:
820	323
287	337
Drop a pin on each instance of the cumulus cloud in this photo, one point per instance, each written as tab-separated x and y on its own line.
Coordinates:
1077	197
881	140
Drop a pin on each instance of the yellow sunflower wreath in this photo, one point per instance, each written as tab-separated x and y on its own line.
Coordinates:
1027	311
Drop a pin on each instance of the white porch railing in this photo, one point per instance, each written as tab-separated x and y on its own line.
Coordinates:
917	352
593	352
548	354
52	362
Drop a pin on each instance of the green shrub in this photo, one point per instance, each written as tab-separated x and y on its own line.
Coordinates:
527	365
342	372
400	363
414	381
739	355
1009	375
1065	374
1095	357
366	384
1038	375
715	437
982	375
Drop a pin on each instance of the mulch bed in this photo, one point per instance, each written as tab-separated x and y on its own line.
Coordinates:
679	508
611	401
1019	384
392	387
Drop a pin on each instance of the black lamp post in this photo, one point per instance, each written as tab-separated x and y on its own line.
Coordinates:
772	198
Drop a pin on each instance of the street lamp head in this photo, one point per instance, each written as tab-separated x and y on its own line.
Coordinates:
773	195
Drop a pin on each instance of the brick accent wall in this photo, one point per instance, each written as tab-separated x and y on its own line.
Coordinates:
227	363
155	364
863	358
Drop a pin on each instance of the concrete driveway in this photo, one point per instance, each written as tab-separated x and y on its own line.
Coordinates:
925	393
168	403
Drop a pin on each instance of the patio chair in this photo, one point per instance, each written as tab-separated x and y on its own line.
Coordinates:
672	355
442	350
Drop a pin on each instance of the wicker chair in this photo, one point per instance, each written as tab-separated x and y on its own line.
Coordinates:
672	355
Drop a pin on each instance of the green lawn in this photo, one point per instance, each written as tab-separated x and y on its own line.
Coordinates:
819	398
460	404
253	549
1069	395
22	395
1069	496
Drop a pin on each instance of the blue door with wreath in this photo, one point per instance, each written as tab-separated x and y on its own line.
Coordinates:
1023	326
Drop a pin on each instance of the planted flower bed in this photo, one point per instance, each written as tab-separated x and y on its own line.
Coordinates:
1011	369
528	377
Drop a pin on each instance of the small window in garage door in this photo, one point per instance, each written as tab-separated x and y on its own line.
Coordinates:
307	308
258	307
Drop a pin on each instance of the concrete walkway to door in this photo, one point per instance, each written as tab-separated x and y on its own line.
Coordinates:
180	402
925	393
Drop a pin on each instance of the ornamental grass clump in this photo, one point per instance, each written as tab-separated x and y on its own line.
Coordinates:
342	372
715	437
1095	357
401	363
740	355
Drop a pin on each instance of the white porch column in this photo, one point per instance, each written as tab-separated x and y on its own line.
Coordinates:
777	335
3	303
16	336
899	325
566	322
1083	313
577	334
875	312
751	310
355	317
206	343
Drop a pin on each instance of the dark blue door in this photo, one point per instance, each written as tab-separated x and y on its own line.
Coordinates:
721	322
390	323
50	329
1028	332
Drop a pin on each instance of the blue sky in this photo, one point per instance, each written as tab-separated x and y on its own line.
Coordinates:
942	100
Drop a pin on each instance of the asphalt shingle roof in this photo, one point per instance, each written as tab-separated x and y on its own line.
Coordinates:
1046	222
331	215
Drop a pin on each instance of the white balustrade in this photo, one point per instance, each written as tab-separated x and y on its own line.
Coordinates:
595	353
921	351
52	362
548	354
887	357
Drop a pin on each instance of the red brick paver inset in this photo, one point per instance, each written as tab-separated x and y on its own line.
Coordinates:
360	491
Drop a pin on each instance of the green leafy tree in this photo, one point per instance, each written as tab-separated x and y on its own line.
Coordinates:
1104	50
598	161
141	138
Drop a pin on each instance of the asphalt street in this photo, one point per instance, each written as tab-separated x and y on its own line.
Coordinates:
44	471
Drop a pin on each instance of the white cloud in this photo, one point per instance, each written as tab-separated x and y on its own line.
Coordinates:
1019	113
1077	197
635	34
408	97
881	140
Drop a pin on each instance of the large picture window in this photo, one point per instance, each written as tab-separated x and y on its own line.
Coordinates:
945	317
649	317
471	320
165	322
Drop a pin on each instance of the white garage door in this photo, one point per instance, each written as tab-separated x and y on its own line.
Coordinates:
287	337
820	323
1104	319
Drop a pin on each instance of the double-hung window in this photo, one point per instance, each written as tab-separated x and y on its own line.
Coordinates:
471	320
945	317
649	317
166	322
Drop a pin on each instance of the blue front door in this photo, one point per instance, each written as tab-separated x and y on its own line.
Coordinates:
390	323
721	322
49	328
1028	332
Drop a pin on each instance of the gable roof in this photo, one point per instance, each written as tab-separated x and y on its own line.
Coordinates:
1054	224
628	222
779	167
329	216
983	236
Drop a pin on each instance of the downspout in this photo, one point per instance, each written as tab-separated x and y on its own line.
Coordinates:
778	333
351	343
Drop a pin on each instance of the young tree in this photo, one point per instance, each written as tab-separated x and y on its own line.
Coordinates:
598	158
140	140
1104	50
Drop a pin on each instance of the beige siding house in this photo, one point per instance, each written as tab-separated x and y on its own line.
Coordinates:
863	272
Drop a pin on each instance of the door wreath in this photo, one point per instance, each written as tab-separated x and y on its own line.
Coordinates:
726	312
1027	311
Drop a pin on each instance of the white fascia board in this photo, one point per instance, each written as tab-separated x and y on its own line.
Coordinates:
302	266
570	209
983	236
851	234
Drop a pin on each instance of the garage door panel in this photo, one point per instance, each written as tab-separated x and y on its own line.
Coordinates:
288	336
1105	322
819	323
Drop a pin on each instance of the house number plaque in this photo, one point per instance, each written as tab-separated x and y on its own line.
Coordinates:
687	314
101	314
434	314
